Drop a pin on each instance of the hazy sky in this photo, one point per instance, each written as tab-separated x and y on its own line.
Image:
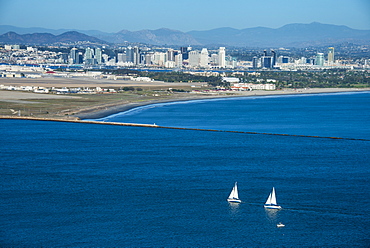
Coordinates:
184	15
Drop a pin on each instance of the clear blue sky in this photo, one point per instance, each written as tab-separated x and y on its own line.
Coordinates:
184	15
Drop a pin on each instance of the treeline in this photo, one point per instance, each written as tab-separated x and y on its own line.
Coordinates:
313	79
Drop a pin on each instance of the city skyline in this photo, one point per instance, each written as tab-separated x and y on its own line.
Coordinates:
114	15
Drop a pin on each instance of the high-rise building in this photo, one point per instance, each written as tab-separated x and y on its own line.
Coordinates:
178	60
185	52
73	56
266	61
194	57
130	54
221	57
320	59
98	56
255	62
171	55
203	61
88	56
273	58
331	55
148	58
136	55
121	58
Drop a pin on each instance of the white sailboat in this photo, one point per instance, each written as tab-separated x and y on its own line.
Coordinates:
271	201
234	196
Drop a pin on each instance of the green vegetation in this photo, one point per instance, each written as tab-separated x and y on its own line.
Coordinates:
313	79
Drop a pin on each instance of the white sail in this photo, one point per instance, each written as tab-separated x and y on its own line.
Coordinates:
234	196
234	193
268	201
271	201
273	197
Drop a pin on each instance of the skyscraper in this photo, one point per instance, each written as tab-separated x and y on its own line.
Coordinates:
221	57
331	55
136	55
98	56
73	56
129	54
185	52
194	58
203	61
273	57
320	59
255	62
266	61
88	56
171	55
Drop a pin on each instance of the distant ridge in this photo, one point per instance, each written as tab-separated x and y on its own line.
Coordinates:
163	36
290	35
47	38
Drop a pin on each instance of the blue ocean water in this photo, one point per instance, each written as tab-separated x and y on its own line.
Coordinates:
331	115
88	185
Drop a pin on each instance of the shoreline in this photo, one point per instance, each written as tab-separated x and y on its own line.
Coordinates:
97	114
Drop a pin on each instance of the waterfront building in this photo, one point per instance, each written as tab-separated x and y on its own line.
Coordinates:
331	55
221	57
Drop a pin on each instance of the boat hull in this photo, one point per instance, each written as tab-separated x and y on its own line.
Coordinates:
272	206
234	200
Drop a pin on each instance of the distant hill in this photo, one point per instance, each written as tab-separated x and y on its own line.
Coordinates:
291	35
8	28
161	36
47	38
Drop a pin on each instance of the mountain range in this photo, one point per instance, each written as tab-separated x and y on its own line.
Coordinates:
290	35
47	38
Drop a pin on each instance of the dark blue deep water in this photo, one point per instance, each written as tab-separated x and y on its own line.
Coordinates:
88	185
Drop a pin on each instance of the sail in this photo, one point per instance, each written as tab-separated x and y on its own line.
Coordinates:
268	202
273	197
234	193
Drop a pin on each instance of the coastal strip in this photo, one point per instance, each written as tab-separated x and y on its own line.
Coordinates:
76	120
122	108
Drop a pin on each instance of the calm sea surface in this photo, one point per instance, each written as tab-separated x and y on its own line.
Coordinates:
86	185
